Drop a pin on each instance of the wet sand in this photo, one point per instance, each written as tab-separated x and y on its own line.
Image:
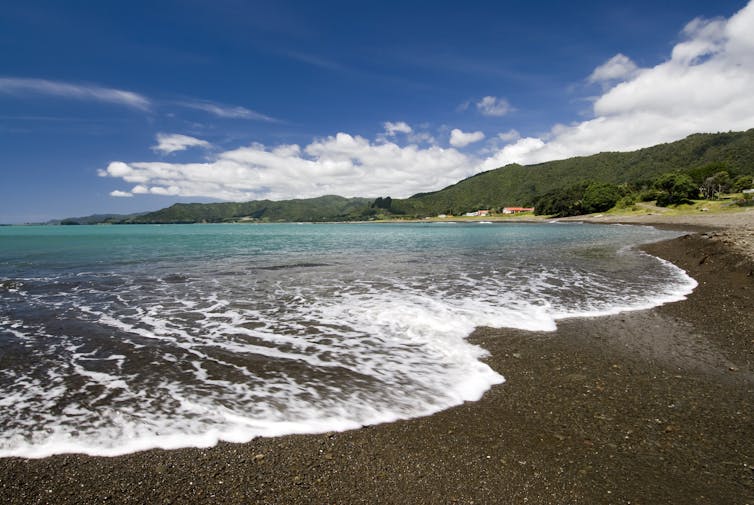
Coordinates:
644	407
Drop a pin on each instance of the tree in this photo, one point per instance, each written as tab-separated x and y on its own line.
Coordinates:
742	182
383	203
716	184
562	202
700	174
675	188
600	197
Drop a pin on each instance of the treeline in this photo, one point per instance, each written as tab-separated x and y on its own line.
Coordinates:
324	208
671	188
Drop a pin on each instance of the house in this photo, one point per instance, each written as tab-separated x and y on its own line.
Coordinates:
478	213
517	210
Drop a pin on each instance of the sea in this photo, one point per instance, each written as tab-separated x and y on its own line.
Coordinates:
116	339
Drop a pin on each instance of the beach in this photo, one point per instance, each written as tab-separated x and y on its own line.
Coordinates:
645	407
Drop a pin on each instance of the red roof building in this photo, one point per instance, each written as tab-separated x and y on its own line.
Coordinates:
517	210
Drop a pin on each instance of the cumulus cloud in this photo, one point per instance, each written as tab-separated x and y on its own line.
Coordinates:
619	67
705	86
121	194
392	129
459	138
509	136
172	142
342	164
493	106
400	127
23	86
226	111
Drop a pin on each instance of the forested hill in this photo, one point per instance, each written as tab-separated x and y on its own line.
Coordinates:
324	208
698	156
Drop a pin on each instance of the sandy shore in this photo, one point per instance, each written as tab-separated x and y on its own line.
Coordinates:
645	407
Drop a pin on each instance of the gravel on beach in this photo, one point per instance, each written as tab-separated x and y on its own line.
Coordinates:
643	407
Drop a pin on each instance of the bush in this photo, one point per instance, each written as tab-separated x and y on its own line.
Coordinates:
627	201
675	188
742	182
561	202
583	198
599	197
666	200
648	195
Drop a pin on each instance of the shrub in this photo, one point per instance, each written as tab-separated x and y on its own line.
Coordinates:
675	188
599	197
627	201
648	194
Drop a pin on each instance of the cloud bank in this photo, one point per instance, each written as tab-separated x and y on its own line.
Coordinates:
342	164
704	86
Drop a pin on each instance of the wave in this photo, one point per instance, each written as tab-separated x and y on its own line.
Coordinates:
125	362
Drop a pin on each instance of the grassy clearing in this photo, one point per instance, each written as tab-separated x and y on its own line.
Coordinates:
723	205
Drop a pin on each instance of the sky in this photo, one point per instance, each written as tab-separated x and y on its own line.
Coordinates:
120	107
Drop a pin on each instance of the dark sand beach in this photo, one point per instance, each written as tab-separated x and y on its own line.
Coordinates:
649	407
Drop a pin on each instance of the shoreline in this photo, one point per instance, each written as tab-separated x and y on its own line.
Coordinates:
653	406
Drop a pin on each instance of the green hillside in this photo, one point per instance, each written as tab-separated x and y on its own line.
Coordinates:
514	185
324	208
699	156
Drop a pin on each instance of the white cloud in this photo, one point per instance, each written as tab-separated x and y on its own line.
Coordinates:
172	142
121	194
392	129
400	127
342	164
618	67
509	136
705	86
493	106
226	111
462	139
22	86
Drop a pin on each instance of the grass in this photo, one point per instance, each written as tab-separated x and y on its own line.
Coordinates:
724	205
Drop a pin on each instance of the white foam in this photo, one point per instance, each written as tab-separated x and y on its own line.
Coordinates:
397	339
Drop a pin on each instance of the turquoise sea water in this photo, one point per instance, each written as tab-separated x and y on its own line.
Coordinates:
121	338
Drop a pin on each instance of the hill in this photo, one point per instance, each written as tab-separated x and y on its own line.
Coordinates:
324	208
699	155
94	219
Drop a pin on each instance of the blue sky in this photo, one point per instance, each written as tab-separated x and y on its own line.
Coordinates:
124	107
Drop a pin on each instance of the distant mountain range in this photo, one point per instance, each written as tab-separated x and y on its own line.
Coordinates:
511	185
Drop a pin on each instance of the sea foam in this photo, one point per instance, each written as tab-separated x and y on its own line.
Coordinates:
234	349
